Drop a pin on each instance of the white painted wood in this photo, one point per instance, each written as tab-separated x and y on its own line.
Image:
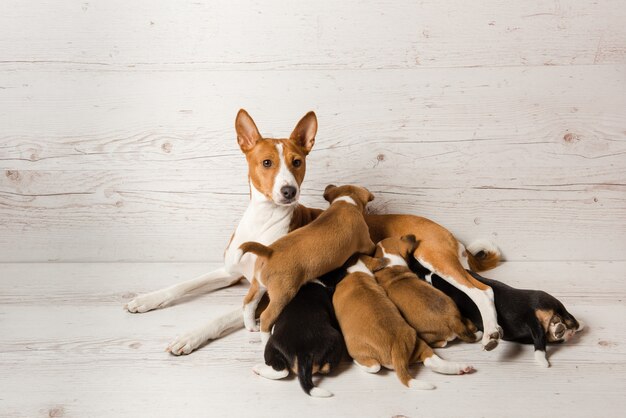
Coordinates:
144	166
114	35
68	347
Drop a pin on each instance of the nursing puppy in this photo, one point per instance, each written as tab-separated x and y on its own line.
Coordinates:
375	332
526	316
305	339
307	253
429	311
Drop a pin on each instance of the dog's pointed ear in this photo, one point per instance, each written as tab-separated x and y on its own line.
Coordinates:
374	264
247	132
328	193
304	132
410	241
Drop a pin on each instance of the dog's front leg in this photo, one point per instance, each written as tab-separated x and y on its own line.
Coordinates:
250	303
208	282
212	330
450	269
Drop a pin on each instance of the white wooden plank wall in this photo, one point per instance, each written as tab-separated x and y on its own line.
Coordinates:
499	119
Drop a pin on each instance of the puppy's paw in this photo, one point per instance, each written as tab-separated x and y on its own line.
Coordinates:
540	358
373	368
250	324
466	369
265	336
268	372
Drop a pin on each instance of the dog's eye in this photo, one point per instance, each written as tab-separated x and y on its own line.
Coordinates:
267	163
297	162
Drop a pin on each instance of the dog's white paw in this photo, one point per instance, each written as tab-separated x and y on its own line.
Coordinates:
490	339
540	358
268	372
368	369
148	302
466	369
252	327
185	344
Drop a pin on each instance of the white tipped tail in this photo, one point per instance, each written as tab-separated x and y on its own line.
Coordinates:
421	385
483	255
317	392
483	245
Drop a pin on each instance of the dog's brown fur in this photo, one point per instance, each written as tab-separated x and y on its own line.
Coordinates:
374	330
429	311
311	251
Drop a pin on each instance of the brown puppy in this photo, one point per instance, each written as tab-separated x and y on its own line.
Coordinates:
429	311
307	253
375	332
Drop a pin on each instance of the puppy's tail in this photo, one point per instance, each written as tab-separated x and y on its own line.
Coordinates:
400	363
483	255
305	376
255	248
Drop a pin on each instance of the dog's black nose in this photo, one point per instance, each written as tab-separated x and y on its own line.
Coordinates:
288	192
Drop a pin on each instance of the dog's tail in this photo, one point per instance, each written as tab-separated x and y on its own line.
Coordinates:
305	376
400	363
254	247
483	255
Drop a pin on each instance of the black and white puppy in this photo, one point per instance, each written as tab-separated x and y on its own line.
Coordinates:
305	339
526	316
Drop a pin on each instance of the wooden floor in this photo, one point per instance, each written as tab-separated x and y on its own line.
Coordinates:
67	348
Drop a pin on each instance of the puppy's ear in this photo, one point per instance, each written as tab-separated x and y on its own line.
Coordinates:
410	242
328	193
247	132
304	132
374	264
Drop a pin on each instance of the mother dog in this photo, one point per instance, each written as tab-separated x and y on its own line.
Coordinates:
276	169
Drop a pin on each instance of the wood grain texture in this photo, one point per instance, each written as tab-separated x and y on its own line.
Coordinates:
68	348
105	35
126	167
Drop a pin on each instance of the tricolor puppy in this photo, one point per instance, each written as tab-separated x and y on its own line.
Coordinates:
429	311
375	332
325	244
526	316
305	339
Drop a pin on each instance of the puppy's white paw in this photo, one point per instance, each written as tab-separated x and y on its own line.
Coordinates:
148	302
185	344
250	322
265	336
466	369
268	372
368	369
540	358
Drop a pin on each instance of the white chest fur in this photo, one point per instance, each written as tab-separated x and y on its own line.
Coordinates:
263	222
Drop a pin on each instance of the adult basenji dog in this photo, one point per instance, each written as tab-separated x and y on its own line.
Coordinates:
276	168
375	332
305	339
429	311
303	255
